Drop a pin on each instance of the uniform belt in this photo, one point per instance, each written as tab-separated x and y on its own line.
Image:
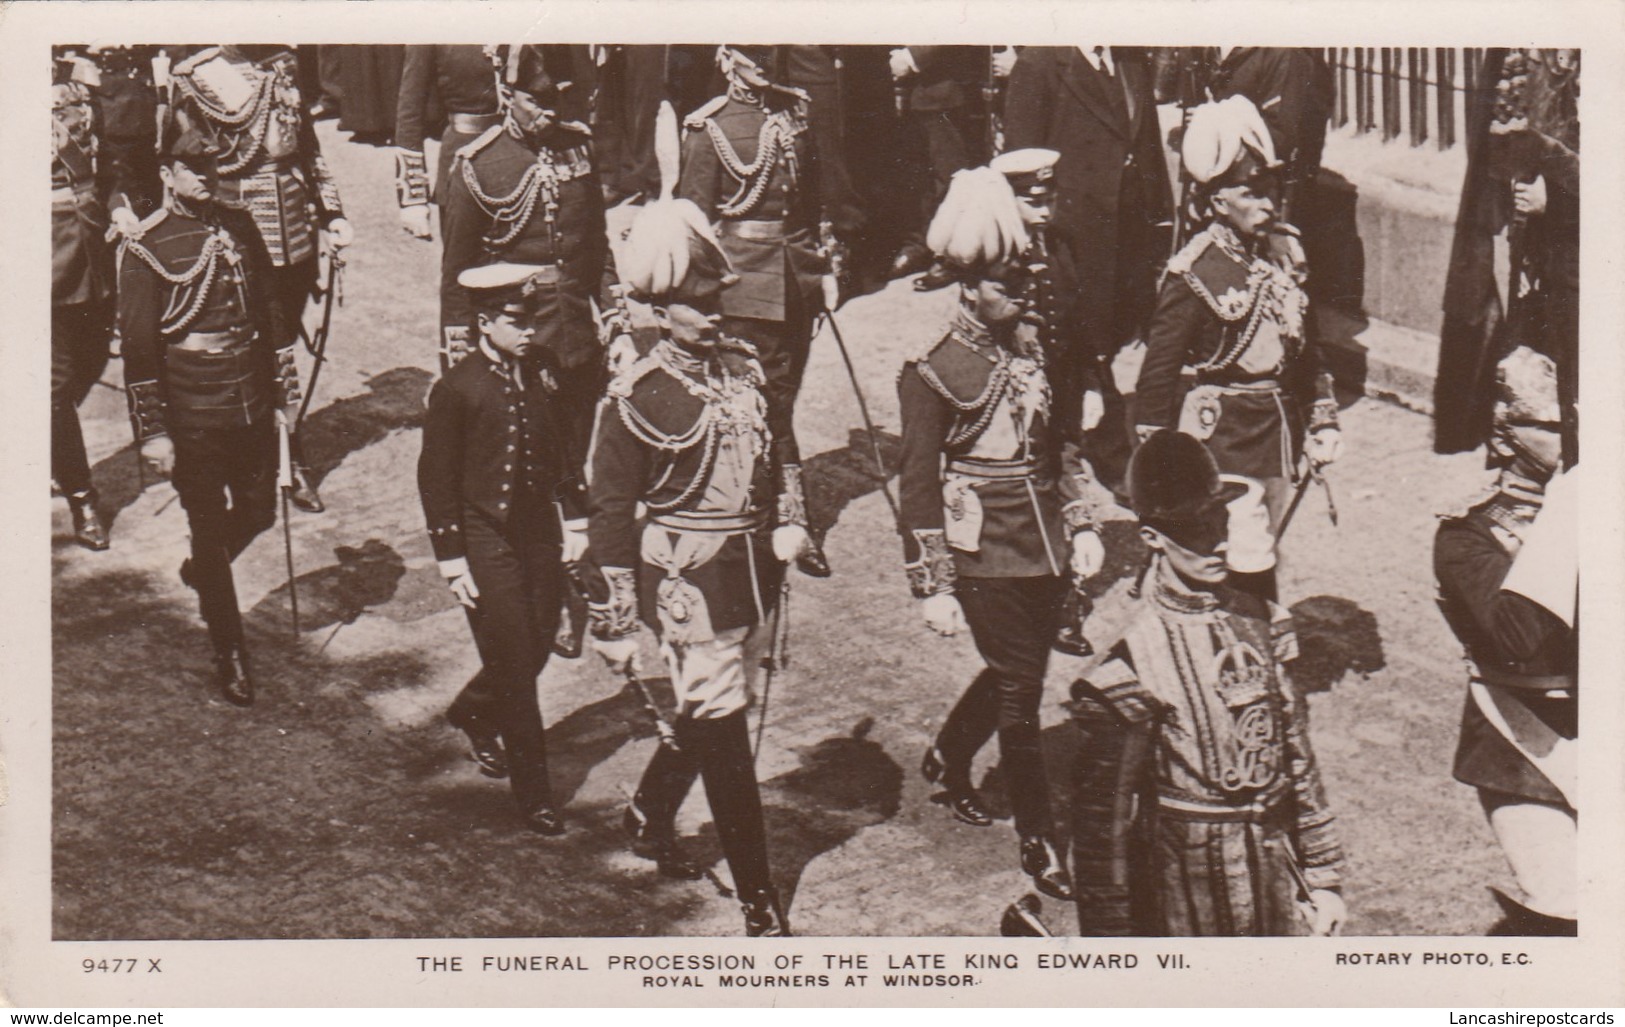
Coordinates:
993	470
1547	683
762	231
722	523
1261	385
1217	812
214	342
472	124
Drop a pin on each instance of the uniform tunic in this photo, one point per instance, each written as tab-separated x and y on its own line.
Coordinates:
271	162
450	83
1196	787
1238	319
687	437
495	475
507	202
201	364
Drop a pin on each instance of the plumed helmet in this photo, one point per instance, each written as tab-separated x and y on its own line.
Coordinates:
1173	481
1526	388
979	222
1225	141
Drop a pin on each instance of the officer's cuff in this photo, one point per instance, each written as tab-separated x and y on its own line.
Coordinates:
147	411
935	571
617	616
792	497
411	178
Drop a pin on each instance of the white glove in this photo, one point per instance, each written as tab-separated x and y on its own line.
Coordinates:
1324	447
617	653
575	540
462	586
339	234
788	541
1094	409
902	62
1324	912
415	221
1004	61
1088	554
1530	197
159	453
943	614
832	292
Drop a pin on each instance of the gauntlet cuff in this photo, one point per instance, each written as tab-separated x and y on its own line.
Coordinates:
1322	415
792	498
327	190
934	573
617	616
411	178
146	403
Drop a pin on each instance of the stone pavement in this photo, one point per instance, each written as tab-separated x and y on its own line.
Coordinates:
854	839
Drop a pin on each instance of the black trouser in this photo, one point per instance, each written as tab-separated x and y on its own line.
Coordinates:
580	389
520	580
81	334
226	480
719	751
1013	621
782	347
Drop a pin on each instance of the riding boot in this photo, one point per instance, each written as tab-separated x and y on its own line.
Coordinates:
88	529
650	818
722	747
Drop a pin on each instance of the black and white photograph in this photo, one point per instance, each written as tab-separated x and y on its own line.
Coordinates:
1013	492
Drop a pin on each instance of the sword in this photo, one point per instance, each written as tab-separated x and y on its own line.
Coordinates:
868	422
663	727
316	345
777	656
1307	477
284	481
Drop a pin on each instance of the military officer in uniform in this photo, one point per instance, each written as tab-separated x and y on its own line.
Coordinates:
1198	808
1507	573
504	505
1232	306
526	192
207	373
271	163
81	287
684	432
993	519
747	164
449	79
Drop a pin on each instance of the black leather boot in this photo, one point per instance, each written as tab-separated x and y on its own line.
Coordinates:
722	748
1042	863
88	529
764	916
811	561
484	744
961	799
1519	921
544	819
231	675
657	842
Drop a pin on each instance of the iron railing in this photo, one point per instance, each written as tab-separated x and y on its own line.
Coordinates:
1417	92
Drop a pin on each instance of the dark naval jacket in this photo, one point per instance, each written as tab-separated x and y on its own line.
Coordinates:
492	435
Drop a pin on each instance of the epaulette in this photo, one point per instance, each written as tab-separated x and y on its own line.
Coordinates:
1182	262
191	63
469	149
698	119
622	384
924	349
141	228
